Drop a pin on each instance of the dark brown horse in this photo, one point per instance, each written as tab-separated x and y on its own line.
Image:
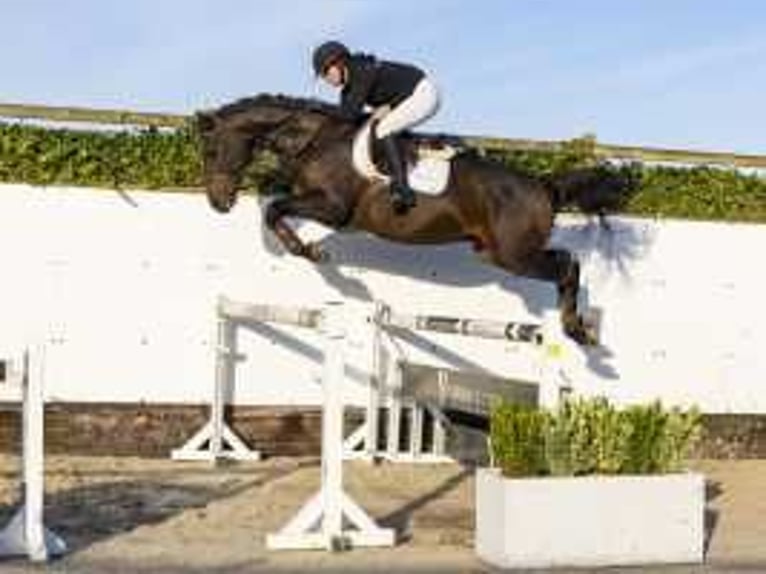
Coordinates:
505	214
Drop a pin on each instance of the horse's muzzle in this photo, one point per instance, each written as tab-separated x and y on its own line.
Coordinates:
221	193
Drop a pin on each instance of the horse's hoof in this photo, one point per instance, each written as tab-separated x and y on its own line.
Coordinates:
582	333
591	325
314	253
586	336
590	337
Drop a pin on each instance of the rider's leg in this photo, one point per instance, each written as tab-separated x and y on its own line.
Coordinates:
420	106
402	197
416	109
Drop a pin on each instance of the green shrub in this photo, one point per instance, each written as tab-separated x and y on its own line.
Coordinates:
145	158
585	437
518	439
590	436
659	439
169	159
702	193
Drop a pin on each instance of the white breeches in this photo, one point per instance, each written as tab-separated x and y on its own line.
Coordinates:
420	106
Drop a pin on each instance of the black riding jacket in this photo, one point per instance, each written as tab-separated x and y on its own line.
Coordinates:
375	83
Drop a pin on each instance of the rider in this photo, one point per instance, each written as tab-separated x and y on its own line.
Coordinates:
400	93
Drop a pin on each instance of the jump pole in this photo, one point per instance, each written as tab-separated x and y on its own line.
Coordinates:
386	385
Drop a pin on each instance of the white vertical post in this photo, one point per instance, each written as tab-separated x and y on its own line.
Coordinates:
549	356
416	429
333	330
33	449
26	534
223	359
439	448
394	389
380	358
320	522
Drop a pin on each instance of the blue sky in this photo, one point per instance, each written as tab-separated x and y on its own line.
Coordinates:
679	73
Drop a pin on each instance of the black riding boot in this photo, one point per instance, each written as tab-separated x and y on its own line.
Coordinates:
402	197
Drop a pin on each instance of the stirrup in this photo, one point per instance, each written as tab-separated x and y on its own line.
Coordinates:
402	198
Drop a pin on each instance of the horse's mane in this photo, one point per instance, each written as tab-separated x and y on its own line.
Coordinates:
281	101
313	105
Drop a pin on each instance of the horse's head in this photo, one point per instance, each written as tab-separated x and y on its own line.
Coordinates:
229	137
219	196
232	134
224	154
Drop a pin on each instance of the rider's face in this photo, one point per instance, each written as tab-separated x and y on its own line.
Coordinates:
333	75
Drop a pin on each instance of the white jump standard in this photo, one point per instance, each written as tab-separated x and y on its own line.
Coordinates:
25	534
216	440
387	384
331	519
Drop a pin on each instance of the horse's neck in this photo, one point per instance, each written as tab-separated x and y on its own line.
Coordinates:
326	134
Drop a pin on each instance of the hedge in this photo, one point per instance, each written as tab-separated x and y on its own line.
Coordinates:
168	159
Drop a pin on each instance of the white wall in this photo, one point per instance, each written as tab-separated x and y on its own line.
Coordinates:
124	296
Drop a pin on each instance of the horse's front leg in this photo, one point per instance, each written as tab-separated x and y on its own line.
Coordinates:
314	205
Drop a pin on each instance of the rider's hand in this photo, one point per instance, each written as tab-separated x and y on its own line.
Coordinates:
381	112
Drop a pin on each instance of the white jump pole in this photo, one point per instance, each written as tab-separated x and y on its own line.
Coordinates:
320	523
26	534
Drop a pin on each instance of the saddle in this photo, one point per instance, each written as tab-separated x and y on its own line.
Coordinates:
428	163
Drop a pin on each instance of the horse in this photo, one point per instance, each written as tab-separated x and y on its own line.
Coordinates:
506	214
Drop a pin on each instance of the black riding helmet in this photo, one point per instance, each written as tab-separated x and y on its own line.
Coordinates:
328	53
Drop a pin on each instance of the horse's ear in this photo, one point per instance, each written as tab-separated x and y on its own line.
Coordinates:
205	121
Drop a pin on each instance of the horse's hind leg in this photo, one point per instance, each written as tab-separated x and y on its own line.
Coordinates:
560	267
568	286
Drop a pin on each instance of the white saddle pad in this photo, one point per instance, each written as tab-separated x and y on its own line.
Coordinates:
429	175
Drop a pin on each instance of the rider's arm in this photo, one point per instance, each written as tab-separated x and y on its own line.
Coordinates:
361	75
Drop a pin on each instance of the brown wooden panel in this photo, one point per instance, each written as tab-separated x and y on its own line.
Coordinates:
154	430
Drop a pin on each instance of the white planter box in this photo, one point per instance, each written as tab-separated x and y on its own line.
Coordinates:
589	521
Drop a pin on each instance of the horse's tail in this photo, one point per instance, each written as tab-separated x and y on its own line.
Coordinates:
598	190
